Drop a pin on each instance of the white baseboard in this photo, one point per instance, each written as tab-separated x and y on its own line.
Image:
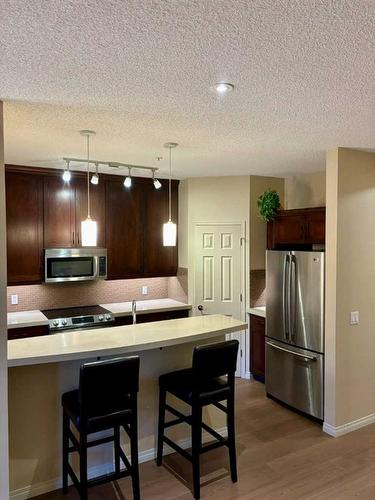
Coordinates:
34	490
340	430
248	375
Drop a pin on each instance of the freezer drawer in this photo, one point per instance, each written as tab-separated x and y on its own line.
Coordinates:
295	376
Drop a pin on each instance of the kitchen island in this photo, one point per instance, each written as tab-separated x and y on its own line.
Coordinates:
42	368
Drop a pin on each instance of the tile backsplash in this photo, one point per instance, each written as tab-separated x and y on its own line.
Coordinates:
257	287
80	294
178	285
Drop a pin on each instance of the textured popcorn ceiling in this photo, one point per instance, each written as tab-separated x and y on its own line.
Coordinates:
139	71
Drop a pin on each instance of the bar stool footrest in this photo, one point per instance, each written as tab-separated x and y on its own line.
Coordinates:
177	448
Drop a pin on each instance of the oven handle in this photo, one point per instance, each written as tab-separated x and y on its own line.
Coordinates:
96	267
304	356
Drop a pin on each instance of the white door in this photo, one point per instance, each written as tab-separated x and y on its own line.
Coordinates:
219	274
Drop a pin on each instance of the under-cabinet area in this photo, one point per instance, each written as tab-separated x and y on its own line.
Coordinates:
43	211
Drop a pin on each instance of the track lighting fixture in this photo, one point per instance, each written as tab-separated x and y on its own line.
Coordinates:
157	183
95	177
128	180
67	175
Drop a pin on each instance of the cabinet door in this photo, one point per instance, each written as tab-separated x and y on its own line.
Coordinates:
124	229
59	213
24	218
159	260
316	227
289	229
97	207
257	346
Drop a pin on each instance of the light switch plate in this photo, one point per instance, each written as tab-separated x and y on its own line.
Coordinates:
354	318
14	299
144	290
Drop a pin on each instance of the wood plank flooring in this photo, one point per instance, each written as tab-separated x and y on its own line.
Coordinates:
281	455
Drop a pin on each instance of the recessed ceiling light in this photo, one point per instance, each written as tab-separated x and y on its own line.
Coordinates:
223	88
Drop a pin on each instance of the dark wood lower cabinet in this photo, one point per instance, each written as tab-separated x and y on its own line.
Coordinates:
257	346
37	331
27	331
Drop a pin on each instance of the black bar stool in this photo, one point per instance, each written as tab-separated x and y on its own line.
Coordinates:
209	381
106	398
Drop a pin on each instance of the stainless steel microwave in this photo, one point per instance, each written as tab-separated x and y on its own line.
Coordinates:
74	264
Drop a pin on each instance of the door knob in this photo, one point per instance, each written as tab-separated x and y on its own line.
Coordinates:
200	308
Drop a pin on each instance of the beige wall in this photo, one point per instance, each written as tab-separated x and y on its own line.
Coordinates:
258	228
210	199
4	479
350	270
305	191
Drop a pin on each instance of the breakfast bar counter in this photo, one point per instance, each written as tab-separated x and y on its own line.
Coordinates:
41	369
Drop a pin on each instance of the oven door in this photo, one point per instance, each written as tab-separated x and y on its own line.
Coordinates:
67	265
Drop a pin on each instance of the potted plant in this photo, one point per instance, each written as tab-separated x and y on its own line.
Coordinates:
268	205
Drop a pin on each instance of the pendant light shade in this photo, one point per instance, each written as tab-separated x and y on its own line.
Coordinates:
170	228
169	234
89	229
89	232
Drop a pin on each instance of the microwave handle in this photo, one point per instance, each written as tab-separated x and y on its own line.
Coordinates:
96	266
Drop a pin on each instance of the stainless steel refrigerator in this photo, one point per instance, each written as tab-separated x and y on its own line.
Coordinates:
295	329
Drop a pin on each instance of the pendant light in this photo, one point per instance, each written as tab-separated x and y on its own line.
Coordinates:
67	175
170	228
89	228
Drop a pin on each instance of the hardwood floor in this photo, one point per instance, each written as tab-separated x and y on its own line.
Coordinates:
281	455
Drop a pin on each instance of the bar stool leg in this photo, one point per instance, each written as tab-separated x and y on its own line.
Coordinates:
116	445
65	446
83	465
196	447
134	456
231	439
162	403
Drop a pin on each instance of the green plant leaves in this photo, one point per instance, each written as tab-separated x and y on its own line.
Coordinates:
268	205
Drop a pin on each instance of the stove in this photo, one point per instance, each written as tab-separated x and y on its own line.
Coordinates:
74	318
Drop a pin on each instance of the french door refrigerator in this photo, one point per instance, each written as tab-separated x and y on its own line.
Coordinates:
295	329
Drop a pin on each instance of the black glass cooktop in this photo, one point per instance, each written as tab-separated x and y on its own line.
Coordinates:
73	312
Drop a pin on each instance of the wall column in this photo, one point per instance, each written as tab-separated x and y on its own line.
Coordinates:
4	460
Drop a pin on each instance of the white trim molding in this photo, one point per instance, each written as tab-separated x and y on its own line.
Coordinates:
340	430
36	489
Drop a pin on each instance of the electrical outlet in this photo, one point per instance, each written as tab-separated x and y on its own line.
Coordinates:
144	290
354	318
14	299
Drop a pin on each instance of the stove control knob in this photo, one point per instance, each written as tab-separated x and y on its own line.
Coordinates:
101	317
55	322
64	322
108	317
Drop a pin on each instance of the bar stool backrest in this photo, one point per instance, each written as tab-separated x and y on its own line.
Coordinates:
215	360
108	386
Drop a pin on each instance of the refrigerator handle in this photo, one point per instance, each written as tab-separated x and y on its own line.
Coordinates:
292	296
286	296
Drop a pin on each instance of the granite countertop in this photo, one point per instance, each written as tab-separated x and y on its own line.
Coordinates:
257	311
36	318
83	344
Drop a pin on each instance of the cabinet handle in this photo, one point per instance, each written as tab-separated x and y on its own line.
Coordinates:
73	237
78	239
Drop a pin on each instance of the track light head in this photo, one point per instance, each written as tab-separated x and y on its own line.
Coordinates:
157	184
95	179
66	174
128	180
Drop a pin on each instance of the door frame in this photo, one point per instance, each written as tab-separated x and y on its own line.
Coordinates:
244	337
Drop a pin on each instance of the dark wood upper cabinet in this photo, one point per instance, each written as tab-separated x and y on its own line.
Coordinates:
24	218
159	260
298	228
97	207
45	212
124	229
59	213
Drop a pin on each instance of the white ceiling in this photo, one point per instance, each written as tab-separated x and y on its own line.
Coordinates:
139	72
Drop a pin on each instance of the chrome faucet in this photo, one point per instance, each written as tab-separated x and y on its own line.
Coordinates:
134	311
